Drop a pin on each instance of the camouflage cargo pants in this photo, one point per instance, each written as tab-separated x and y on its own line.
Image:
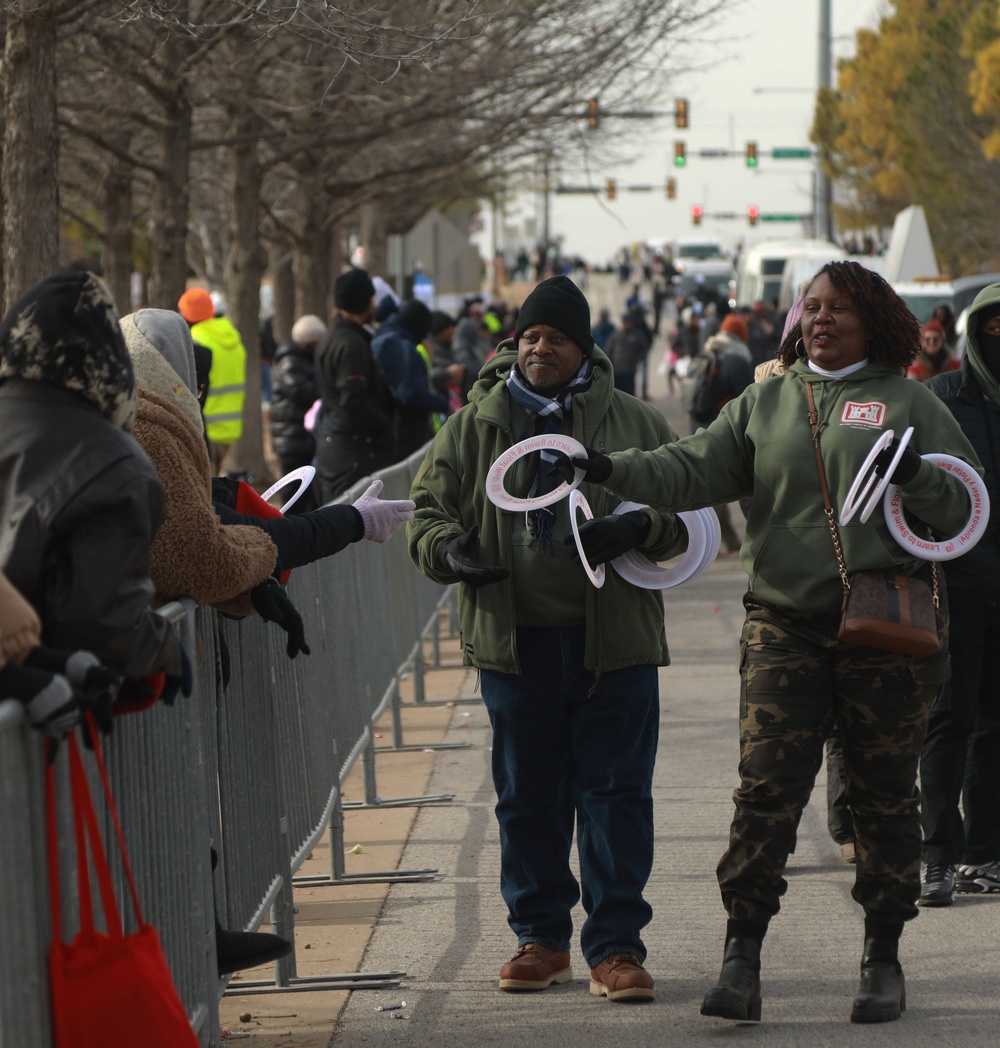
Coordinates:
796	678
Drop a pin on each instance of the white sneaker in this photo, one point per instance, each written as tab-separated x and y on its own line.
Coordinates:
982	878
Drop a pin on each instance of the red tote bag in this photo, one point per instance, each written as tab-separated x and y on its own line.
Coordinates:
109	990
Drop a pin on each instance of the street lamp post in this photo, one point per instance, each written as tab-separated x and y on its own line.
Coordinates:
824	191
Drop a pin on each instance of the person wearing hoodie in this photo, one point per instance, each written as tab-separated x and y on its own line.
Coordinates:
81	501
207	550
958	765
848	354
227	381
568	671
398	347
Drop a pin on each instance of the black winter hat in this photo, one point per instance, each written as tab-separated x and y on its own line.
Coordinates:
559	303
416	317
353	291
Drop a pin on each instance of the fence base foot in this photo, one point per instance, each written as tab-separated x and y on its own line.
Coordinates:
416	748
303	983
400	802
318	880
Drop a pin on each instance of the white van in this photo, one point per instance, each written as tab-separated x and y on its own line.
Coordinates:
798	269
763	264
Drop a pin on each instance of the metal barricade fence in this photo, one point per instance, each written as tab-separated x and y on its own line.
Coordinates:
251	767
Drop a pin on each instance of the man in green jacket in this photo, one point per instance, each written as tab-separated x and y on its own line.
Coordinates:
568	671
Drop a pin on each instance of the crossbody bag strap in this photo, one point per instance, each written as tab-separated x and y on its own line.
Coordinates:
828	507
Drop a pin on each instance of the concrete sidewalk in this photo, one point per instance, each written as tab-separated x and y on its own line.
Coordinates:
452	937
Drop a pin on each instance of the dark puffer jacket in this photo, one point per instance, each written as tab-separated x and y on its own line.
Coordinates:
293	377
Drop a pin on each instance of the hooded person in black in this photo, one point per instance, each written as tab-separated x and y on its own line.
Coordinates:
961	848
81	501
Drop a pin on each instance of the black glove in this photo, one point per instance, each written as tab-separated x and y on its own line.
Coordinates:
605	538
273	605
906	468
457	555
596	466
49	701
177	678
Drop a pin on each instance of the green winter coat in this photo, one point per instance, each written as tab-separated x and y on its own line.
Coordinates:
760	446
624	624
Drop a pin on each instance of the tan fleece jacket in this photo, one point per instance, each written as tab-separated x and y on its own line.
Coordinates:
194	554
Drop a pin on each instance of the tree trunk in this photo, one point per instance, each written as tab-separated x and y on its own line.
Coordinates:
283	282
169	204
244	265
375	240
30	165
116	203
311	251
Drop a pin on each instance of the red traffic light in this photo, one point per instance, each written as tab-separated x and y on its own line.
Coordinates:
753	213
696	212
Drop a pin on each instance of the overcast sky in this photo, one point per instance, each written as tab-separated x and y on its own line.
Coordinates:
763	45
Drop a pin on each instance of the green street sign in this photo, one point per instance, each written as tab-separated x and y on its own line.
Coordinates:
783	218
791	154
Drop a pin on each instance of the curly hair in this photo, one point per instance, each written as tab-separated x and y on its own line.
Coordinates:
893	331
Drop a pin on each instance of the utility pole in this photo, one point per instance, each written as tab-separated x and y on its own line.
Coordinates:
822	208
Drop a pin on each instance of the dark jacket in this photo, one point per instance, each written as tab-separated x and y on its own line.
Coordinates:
293	393
395	347
355	435
81	505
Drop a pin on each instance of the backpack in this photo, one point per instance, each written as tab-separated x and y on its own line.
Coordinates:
699	388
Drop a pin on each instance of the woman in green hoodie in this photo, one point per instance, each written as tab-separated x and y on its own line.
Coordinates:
852	346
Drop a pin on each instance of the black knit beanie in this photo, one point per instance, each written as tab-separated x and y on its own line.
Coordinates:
353	291
416	317
559	303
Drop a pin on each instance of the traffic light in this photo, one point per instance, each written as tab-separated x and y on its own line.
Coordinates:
611	189
753	213
681	113
671	188
680	154
593	114
751	154
696	212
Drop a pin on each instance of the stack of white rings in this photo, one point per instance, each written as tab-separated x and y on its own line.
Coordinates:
704	532
869	483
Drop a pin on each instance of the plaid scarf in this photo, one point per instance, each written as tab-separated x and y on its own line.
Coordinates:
545	415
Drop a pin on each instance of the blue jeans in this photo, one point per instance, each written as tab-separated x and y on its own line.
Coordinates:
565	746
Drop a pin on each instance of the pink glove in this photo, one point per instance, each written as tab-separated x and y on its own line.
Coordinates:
381	518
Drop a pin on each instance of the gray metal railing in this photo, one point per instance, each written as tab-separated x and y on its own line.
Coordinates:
250	766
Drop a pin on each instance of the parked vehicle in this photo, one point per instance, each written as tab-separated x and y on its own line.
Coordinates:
763	265
921	296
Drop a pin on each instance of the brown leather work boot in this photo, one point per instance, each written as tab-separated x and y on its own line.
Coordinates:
535	967
621	977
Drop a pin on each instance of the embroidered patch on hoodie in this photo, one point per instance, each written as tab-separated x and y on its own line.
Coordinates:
871	414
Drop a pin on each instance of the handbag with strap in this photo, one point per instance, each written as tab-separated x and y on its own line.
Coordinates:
881	609
108	989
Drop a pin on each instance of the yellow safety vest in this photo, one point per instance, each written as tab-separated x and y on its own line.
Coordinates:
227	381
437	418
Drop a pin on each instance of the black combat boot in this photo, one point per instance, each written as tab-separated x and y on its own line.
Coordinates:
737	995
882	994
